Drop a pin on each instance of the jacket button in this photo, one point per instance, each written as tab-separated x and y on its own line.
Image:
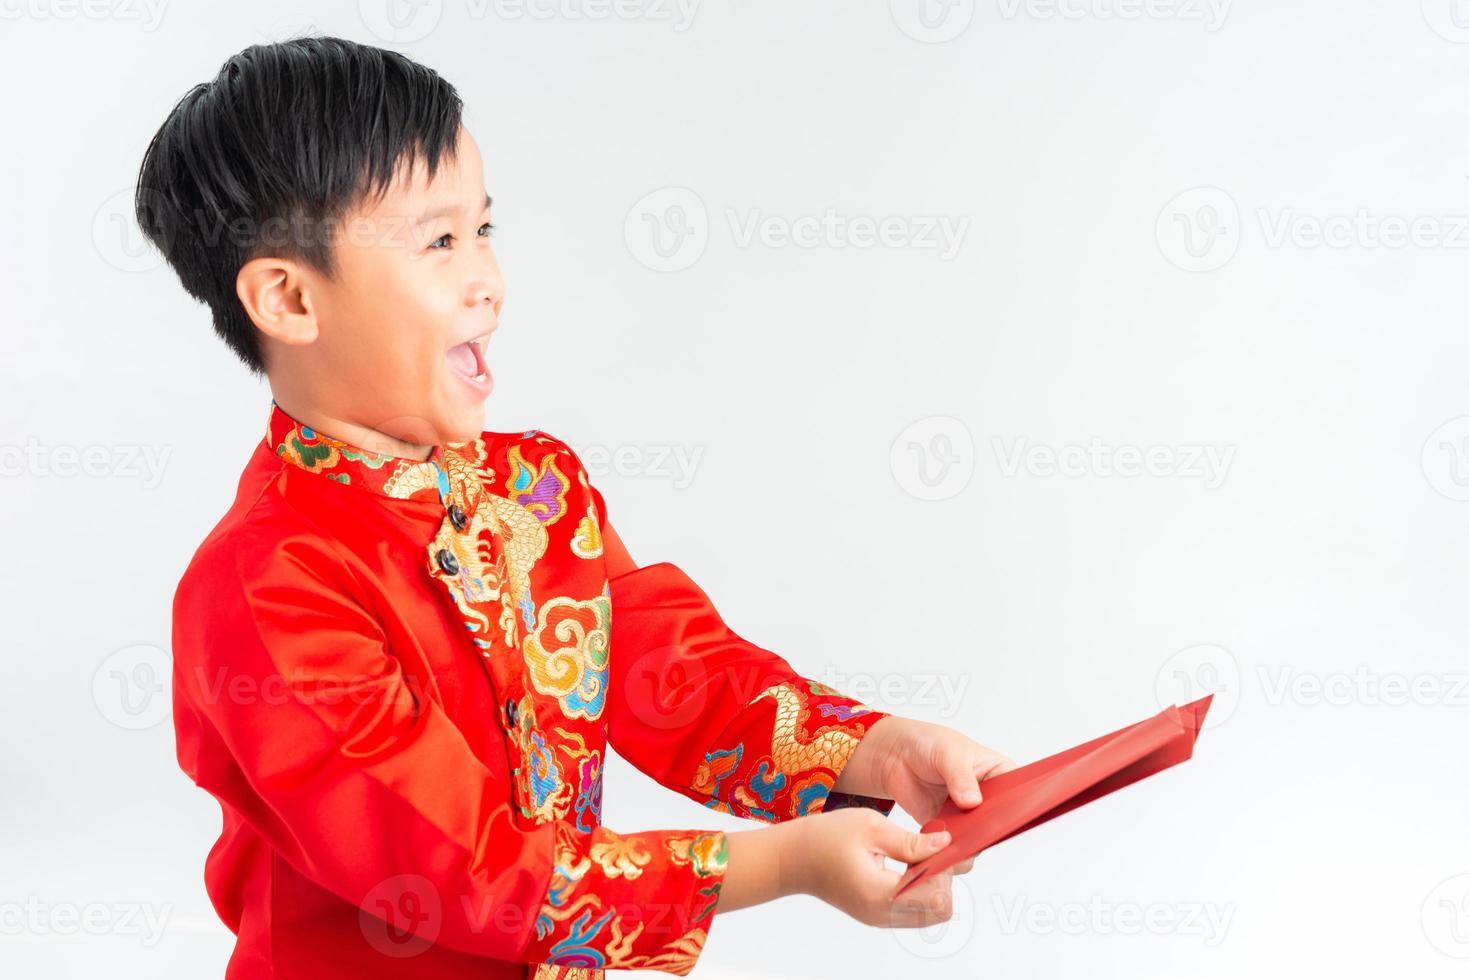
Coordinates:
447	561
457	518
512	712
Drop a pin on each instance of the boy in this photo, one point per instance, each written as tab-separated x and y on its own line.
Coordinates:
402	654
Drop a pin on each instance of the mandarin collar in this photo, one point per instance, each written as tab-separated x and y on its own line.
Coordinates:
453	474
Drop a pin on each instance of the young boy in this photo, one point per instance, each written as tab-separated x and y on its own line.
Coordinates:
401	656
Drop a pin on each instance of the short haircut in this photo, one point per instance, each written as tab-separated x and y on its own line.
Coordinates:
290	135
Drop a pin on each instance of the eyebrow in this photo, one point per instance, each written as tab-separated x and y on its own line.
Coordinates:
445	209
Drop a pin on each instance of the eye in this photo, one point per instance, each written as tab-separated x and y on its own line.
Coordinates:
445	238
487	230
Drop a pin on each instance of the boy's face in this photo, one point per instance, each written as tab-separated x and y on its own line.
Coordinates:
403	324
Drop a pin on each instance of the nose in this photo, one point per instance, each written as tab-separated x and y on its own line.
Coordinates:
488	289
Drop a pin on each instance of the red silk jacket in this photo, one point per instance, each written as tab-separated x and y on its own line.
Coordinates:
400	680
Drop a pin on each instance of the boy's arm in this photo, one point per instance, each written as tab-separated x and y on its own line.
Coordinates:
362	783
713	716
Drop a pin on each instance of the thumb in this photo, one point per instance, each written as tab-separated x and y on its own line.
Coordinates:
909	846
962	782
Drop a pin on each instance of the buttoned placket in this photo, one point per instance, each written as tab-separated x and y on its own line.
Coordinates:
504	663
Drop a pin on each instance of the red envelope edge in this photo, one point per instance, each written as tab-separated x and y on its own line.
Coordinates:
1029	796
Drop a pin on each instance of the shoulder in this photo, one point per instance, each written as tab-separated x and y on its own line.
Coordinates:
270	595
266	538
534	464
529	444
543	475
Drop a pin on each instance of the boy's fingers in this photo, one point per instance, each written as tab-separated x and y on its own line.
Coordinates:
931	900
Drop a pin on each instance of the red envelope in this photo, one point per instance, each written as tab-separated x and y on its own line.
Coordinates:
1026	797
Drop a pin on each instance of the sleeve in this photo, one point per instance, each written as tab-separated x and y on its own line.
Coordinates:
364	784
710	714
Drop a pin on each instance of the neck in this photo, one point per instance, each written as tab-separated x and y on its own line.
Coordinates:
354	433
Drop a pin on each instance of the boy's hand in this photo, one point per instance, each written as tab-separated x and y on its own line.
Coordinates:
838	857
920	765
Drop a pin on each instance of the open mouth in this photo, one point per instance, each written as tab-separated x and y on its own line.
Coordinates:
468	361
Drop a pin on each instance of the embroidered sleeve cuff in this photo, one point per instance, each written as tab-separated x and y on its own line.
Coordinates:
780	755
640	901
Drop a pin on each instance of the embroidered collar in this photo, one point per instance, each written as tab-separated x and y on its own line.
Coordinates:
453	474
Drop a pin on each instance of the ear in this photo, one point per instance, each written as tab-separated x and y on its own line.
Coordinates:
274	292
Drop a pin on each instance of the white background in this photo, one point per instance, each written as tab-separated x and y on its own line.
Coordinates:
871	496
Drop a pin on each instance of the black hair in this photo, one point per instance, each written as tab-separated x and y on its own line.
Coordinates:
294	133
